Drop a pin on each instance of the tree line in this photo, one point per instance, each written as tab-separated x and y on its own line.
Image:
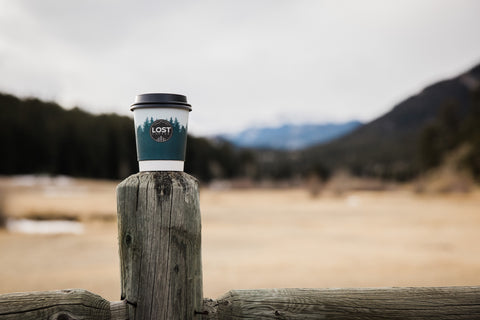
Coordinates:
451	131
39	137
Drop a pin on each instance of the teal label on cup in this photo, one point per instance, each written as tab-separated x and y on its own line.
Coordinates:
161	139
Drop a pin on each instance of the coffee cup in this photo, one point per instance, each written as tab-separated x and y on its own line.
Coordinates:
161	121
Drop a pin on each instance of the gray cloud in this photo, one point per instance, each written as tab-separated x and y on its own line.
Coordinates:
239	62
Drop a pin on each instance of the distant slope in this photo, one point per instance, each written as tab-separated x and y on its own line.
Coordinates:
290	137
39	137
389	145
42	137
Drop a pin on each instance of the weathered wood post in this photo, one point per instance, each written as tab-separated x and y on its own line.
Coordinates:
159	232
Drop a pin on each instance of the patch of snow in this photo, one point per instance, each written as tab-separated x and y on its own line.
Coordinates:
44	226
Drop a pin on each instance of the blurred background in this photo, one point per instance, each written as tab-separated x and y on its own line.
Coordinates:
337	143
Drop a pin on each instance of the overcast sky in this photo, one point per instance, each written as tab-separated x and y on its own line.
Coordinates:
240	63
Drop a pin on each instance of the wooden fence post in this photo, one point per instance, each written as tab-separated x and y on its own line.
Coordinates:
159	232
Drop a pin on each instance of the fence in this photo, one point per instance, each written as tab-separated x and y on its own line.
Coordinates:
161	275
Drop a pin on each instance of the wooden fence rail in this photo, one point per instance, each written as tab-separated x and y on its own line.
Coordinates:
357	304
60	305
161	275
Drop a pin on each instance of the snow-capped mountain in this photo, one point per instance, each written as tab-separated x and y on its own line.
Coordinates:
290	136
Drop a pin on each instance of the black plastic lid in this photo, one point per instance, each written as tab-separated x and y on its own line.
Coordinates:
152	100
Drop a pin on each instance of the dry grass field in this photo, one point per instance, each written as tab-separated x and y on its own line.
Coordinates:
252	238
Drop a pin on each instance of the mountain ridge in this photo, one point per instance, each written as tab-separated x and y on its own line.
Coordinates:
389	146
289	136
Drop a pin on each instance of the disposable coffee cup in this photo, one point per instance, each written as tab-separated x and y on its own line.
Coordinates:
161	121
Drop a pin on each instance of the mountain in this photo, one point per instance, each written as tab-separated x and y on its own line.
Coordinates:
395	145
289	136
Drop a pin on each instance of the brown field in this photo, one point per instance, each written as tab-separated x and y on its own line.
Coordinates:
253	238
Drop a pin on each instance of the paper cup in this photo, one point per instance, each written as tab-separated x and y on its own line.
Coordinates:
161	131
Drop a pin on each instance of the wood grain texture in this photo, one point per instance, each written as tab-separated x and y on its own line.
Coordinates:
69	304
362	303
118	310
159	231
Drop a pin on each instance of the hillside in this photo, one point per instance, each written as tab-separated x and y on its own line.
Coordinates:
391	145
39	137
42	137
290	136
